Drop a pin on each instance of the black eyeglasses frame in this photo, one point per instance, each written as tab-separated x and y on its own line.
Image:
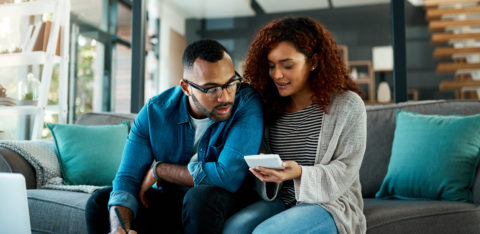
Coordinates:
205	90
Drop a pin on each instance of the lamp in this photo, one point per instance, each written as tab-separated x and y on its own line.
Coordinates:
383	62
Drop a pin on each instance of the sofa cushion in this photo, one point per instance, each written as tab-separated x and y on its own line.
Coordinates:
404	216
433	157
54	211
89	155
380	130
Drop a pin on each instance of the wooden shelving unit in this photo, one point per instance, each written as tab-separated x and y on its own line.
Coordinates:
60	10
32	58
444	38
454	68
456	23
437	3
440	25
344	53
450	52
454	85
369	79
435	14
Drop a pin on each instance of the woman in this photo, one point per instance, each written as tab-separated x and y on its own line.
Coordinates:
316	122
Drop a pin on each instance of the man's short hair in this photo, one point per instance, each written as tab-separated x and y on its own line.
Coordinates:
208	50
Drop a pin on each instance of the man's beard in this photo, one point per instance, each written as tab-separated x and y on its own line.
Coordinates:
212	114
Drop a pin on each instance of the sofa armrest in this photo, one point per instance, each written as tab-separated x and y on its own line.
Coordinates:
12	162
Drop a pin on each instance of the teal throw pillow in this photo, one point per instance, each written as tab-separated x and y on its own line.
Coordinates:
434	157
89	155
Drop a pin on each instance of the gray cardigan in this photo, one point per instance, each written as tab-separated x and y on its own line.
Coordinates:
333	182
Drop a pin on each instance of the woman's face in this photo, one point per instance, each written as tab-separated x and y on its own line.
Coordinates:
289	69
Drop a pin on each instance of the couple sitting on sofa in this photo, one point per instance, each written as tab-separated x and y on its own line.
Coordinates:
198	133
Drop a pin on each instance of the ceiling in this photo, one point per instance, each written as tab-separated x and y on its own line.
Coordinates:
90	10
239	8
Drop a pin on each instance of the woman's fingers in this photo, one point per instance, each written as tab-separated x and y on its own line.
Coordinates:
291	171
267	171
265	177
257	174
271	172
260	175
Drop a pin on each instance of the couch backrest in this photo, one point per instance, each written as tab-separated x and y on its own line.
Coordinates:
380	130
100	118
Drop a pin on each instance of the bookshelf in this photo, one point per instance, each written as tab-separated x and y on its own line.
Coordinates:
365	76
50	55
31	58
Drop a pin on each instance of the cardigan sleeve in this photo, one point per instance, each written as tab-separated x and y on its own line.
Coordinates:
327	180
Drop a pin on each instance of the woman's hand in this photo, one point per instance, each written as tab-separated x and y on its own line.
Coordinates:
147	183
291	171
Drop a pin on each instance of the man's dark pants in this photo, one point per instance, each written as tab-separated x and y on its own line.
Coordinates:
200	209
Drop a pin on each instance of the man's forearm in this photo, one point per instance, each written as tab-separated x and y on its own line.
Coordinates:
127	217
175	174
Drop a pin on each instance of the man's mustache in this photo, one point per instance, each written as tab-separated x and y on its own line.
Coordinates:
226	104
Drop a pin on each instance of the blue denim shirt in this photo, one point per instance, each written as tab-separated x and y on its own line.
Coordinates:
162	131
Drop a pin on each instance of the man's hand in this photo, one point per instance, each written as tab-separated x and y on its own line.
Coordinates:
172	173
291	171
125	214
120	230
147	183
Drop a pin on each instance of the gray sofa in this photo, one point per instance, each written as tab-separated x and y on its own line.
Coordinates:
63	212
55	211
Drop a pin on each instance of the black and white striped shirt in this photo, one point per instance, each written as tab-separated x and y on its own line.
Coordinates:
294	136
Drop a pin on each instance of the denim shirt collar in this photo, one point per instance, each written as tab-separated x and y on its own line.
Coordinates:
184	116
183	111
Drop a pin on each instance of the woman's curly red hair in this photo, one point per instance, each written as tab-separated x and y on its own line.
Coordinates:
309	37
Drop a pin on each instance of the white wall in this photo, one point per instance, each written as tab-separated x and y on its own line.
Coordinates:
171	18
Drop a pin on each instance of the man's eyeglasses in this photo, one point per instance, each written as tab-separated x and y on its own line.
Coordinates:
216	91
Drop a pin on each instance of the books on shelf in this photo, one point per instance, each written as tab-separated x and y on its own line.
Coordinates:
7	101
41	41
37	38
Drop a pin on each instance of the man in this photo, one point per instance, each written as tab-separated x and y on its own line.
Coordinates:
197	134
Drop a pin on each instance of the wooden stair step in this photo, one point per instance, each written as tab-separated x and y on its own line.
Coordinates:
446	85
442	24
454	67
433	13
436	3
448	52
442	38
